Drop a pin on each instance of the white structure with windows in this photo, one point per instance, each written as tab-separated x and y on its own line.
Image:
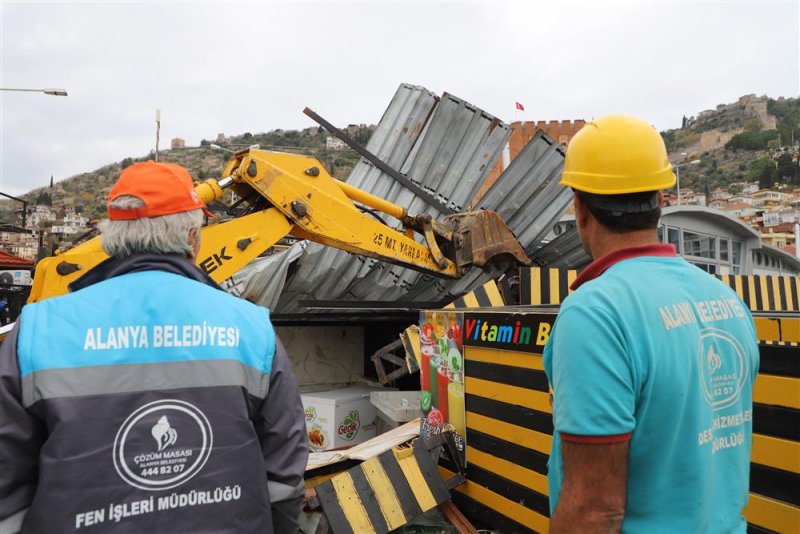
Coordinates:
713	240
721	244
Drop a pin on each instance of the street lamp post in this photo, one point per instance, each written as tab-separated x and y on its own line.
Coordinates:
54	92
677	169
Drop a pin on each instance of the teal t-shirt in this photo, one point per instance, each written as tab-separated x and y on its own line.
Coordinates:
658	349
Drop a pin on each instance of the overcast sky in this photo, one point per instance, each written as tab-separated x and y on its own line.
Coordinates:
253	67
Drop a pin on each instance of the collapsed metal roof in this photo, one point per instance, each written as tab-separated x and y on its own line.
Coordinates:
447	146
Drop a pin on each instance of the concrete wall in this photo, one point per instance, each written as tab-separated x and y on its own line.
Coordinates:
324	355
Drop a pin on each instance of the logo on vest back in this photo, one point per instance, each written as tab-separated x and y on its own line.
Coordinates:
723	367
162	444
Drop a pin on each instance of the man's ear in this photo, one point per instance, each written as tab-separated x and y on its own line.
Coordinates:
194	243
660	199
581	210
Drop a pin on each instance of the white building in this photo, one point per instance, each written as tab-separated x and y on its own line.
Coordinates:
739	210
75	220
740	199
334	143
64	230
711	239
39	214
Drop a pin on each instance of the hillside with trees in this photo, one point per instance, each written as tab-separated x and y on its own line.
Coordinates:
87	192
754	139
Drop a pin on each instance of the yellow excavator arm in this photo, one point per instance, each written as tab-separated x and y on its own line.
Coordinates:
301	199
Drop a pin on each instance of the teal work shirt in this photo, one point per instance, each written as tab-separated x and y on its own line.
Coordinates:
653	350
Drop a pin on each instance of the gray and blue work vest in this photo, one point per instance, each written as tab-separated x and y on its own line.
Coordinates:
148	402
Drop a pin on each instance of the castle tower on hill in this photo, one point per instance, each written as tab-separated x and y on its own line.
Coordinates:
522	133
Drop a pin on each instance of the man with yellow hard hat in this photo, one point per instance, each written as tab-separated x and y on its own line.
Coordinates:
651	361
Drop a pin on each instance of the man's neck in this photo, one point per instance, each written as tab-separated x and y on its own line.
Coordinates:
607	242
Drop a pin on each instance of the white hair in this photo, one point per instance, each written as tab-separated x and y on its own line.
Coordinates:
167	234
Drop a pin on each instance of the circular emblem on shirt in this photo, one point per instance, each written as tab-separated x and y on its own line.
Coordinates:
723	367
162	444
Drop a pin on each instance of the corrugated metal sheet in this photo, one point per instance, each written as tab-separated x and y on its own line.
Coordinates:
527	195
325	273
564	252
447	146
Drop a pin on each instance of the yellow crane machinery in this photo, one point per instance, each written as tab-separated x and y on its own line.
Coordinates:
291	194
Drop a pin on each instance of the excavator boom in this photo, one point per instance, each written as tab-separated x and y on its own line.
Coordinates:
301	199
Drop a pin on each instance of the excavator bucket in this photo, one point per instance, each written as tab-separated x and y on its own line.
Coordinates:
481	238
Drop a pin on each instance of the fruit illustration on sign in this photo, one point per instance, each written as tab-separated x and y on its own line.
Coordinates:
317	438
435	417
454	360
427	333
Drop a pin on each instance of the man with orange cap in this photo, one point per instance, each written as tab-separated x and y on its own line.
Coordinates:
651	361
148	399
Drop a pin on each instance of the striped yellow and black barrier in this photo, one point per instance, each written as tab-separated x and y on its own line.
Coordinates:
485	296
508	422
384	492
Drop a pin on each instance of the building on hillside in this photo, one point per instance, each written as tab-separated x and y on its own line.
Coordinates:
64	230
178	143
334	143
770	218
779	236
15	270
740	199
770	198
38	214
78	221
745	188
739	210
222	138
719	204
692	198
720	194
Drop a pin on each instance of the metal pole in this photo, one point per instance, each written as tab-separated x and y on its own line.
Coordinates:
54	92
678	182
158	130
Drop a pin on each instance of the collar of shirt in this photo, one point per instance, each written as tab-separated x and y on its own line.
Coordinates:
170	263
601	264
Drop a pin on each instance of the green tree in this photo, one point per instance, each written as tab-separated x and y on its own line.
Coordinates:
767	177
44	198
787	170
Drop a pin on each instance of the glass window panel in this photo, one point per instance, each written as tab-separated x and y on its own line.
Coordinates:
737	253
699	245
673	237
660	233
707	267
723	250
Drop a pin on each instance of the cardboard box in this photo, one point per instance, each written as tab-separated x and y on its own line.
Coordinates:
339	418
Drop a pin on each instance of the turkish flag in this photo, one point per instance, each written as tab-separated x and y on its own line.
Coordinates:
520	106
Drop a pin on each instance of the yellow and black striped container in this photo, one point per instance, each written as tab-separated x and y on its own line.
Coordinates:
384	492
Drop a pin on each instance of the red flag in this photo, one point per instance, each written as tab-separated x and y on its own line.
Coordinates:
520	106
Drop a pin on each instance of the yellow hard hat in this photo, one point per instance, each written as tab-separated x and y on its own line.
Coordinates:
615	155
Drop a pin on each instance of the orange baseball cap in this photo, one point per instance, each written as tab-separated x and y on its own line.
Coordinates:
165	188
